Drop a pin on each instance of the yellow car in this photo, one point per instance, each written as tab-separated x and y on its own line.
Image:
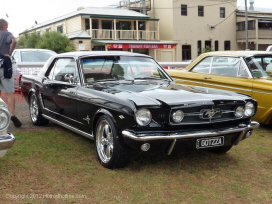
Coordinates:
247	72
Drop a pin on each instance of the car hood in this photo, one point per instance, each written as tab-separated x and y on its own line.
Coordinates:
171	94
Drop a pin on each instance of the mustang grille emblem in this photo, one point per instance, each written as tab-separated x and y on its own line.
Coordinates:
210	113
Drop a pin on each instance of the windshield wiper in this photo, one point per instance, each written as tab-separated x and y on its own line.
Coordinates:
105	80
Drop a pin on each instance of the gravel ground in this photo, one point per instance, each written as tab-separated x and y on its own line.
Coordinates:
22	113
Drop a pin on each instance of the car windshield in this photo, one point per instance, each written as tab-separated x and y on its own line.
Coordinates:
121	68
260	66
36	55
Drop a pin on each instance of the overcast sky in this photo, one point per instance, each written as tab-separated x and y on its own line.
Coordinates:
22	14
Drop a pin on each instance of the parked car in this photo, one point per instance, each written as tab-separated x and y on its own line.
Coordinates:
29	61
126	101
6	139
247	72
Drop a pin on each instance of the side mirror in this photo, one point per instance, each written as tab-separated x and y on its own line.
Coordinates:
69	77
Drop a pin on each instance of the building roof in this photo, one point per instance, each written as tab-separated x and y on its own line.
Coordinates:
81	34
98	12
255	10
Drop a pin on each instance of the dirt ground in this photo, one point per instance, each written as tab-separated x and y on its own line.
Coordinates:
22	113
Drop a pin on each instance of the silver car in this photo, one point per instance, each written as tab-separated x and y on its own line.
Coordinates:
6	139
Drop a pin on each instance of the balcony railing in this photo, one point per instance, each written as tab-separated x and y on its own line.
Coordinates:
262	34
104	34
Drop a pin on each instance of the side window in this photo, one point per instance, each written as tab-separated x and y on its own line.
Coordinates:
203	66
242	71
227	66
62	69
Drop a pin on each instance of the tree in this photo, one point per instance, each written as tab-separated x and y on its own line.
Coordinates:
29	40
56	41
206	49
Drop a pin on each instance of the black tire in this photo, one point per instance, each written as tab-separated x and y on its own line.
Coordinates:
35	111
221	150
109	150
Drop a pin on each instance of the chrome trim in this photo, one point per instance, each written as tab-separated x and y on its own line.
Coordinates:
223	87
207	84
69	127
243	127
6	141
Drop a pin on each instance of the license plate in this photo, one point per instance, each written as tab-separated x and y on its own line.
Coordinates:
209	142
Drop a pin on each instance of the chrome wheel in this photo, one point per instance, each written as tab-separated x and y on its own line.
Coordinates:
35	111
33	108
104	141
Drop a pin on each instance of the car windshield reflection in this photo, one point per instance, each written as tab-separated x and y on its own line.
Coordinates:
105	68
36	56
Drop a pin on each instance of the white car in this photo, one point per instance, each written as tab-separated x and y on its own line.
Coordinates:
29	61
6	139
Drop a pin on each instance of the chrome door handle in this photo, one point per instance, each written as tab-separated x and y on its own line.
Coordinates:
206	77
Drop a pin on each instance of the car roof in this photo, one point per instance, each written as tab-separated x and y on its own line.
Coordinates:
32	49
99	53
237	53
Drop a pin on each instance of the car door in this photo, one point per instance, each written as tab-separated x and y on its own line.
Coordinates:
60	88
229	73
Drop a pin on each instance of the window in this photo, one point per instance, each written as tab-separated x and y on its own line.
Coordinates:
227	45
47	30
200	10
63	68
60	29
87	24
216	46
222	12
183	10
94	23
199	47
203	66
227	66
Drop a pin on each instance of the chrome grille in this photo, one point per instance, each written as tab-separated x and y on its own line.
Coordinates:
194	115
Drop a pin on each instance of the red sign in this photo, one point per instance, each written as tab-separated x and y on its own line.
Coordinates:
141	46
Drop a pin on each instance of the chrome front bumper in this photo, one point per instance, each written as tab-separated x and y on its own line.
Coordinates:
242	128
6	142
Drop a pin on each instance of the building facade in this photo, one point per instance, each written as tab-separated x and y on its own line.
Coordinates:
109	29
196	25
258	34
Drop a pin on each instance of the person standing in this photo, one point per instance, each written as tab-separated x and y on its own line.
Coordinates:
7	45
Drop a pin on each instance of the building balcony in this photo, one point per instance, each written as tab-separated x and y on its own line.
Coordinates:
105	34
254	34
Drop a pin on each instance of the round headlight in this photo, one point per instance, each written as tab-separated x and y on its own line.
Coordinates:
178	116
4	119
249	109
143	117
239	112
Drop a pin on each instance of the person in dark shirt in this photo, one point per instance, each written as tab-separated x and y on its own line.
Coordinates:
7	45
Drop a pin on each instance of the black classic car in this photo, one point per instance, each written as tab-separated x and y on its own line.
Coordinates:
126	101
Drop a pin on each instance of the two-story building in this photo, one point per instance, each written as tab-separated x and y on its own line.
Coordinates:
197	24
111	29
259	28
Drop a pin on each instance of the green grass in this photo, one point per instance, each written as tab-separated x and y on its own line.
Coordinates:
55	165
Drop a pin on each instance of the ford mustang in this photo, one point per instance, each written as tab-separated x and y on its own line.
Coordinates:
126	101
